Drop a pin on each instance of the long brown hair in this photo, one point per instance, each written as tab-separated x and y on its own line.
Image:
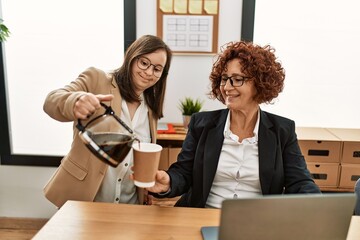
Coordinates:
154	96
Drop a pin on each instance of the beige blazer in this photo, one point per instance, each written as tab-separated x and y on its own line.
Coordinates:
80	173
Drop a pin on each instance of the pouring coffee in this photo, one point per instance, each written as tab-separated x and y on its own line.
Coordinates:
104	137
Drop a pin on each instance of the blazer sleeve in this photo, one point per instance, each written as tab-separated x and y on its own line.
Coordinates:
59	103
181	172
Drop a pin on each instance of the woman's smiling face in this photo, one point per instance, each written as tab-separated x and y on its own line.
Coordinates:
238	98
145	78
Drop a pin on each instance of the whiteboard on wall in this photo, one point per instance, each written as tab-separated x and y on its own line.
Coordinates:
51	43
317	43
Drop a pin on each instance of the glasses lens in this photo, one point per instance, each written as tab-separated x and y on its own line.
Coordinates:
143	63
235	81
158	70
223	80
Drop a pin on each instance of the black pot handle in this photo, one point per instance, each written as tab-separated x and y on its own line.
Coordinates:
108	110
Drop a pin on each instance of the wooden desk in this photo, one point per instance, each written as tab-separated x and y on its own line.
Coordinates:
354	229
178	136
171	137
88	220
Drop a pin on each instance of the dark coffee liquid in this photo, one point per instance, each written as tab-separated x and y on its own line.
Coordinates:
115	145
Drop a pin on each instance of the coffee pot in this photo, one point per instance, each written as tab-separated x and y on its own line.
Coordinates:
104	136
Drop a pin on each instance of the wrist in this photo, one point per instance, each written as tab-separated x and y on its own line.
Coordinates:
166	192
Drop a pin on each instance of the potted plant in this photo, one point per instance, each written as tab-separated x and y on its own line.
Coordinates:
188	106
4	31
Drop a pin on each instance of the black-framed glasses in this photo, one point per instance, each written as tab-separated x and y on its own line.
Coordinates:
235	81
144	63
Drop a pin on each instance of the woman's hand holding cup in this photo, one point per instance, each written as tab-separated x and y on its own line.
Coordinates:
162	182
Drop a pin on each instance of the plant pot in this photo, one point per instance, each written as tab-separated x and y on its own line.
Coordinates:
186	121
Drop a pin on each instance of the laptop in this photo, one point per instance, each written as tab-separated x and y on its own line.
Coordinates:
297	216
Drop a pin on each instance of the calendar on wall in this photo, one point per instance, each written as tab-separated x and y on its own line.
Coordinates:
189	26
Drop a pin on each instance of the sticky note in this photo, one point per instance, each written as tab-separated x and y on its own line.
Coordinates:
166	6
180	6
195	6
211	6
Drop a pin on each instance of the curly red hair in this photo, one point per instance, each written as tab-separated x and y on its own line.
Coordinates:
259	63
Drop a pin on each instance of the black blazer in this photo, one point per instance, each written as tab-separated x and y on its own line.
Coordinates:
282	167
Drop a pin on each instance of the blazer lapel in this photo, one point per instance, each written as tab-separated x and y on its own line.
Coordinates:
267	152
116	102
213	145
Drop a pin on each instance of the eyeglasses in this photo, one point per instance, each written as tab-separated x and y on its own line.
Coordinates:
235	81
144	63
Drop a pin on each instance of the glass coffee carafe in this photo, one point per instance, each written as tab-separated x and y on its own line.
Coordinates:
105	137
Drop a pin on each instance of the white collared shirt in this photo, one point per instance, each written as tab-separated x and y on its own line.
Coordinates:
237	174
116	186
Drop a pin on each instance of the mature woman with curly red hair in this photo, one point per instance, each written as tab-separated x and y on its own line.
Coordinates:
240	151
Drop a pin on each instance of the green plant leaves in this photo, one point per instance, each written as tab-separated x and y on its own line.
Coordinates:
188	106
4	31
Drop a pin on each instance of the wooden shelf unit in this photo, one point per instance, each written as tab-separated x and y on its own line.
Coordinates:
330	141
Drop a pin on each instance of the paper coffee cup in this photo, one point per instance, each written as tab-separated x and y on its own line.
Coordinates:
146	163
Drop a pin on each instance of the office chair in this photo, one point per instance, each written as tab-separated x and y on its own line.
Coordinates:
357	191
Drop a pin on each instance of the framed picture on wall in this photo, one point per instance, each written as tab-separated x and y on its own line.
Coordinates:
189	26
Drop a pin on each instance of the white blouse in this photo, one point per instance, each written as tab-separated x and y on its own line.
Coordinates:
237	174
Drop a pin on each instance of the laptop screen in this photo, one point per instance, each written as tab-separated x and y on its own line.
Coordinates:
298	216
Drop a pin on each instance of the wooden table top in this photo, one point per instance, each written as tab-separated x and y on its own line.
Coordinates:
88	220
354	229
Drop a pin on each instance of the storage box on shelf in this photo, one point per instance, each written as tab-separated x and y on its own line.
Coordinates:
173	153
350	173
325	174
164	159
319	145
350	139
321	150
168	156
171	144
350	157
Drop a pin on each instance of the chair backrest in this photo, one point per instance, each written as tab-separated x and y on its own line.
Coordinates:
357	191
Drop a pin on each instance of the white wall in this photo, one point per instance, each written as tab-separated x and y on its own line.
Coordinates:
21	187
45	51
317	42
51	43
21	192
